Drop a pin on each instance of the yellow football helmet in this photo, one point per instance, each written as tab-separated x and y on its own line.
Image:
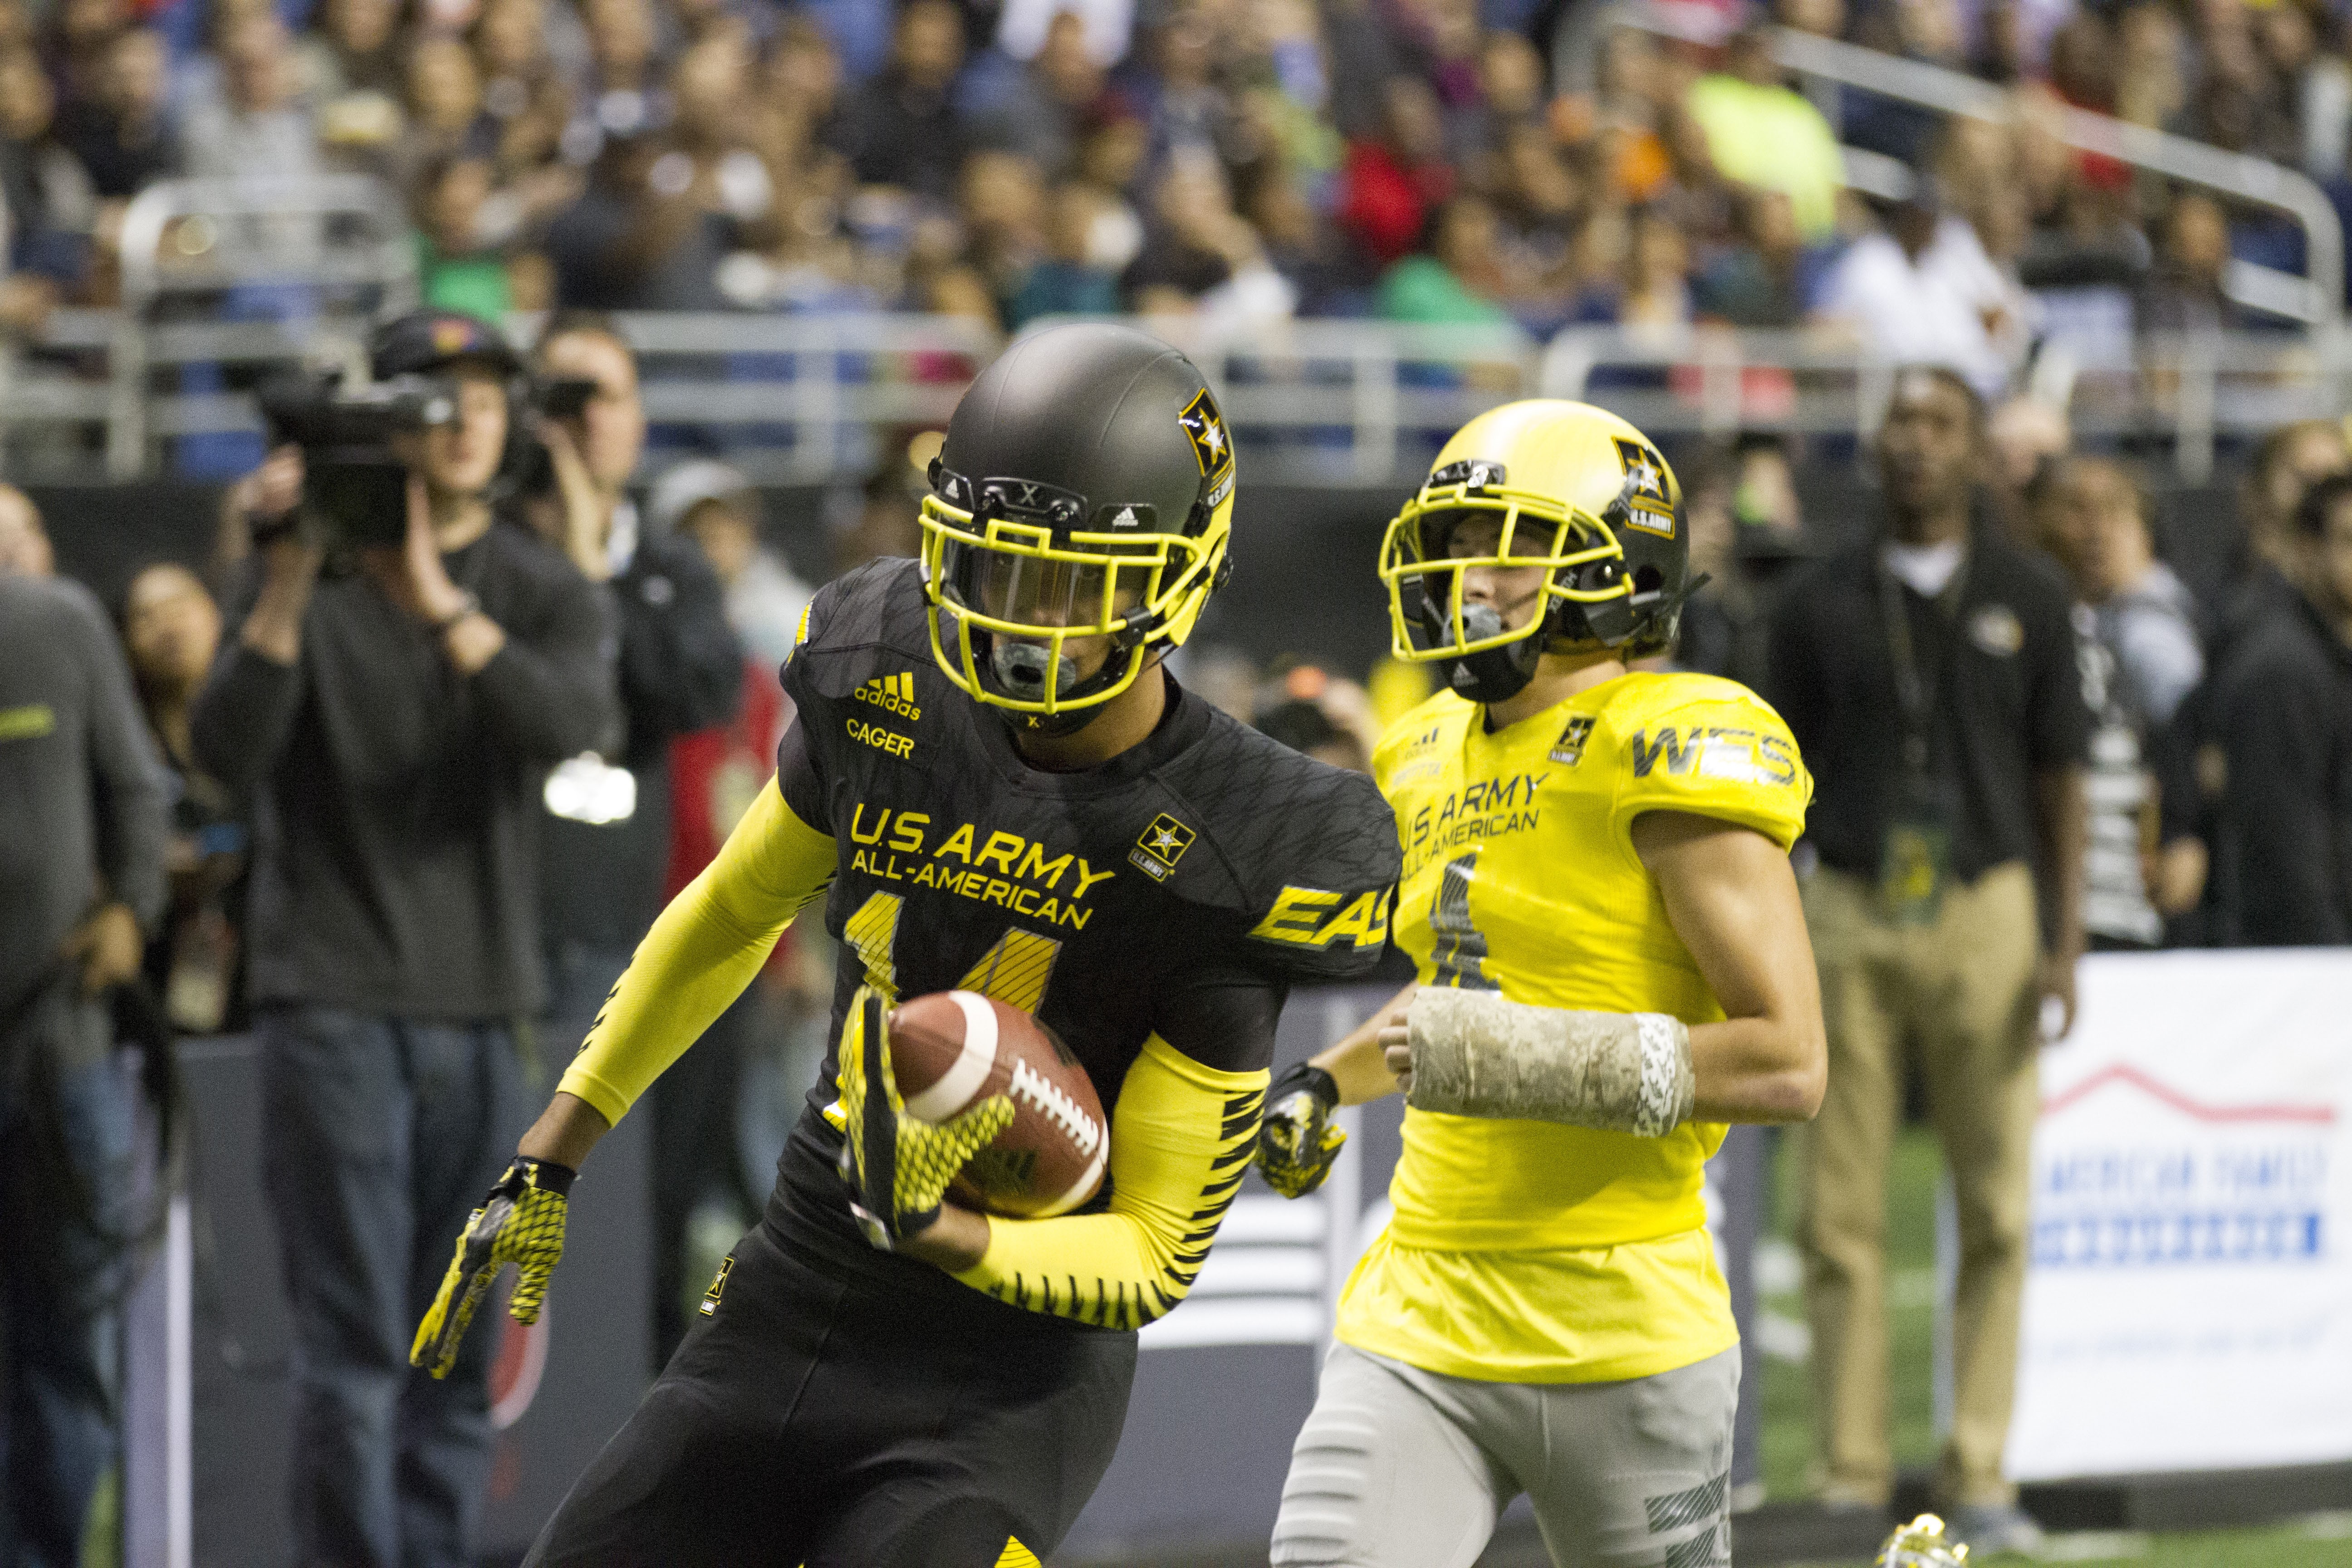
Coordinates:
1084	490
1921	1544
1579	493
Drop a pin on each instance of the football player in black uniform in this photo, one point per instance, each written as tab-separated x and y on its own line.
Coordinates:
1005	792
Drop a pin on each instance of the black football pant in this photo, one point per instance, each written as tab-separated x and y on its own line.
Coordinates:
816	1418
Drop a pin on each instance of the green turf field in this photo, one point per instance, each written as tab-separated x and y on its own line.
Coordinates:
2320	1542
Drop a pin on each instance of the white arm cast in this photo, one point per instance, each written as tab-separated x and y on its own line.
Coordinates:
1476	1054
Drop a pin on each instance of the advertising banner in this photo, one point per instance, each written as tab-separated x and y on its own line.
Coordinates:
2189	1300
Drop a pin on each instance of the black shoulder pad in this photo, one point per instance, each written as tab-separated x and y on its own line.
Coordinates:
1313	848
878	605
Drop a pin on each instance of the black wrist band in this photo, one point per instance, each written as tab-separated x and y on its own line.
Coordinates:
1308	1076
547	1175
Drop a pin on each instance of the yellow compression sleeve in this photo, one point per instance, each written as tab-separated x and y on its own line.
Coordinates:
1180	1139
701	953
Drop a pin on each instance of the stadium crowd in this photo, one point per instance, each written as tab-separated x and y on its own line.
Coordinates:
1414	160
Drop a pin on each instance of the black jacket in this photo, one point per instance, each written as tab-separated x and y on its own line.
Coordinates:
2000	649
2280	710
395	803
81	797
681	669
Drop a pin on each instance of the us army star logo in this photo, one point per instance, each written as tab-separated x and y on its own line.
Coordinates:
1211	444
1569	750
1646	497
1162	844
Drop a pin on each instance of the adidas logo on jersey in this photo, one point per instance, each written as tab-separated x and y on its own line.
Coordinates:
892	694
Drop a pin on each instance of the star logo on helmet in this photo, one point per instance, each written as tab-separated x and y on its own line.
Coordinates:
1648	504
1212	444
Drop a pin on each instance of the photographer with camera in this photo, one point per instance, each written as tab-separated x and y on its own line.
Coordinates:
403	670
681	669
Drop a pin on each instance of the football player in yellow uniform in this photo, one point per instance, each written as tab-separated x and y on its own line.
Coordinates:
1613	965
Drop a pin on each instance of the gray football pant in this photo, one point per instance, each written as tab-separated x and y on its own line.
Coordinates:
1398	1467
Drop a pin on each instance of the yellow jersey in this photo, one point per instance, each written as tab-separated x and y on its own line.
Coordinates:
1531	1251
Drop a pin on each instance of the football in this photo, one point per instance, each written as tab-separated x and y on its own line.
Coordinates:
952	1048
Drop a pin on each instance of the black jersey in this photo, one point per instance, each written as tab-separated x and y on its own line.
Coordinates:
1177	890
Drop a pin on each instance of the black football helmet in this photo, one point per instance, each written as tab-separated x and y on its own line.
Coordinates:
1084	490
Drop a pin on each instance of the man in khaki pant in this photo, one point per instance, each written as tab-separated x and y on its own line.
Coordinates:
1930	675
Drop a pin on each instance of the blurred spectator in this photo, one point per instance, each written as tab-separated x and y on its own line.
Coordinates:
81	872
25	548
254	126
1924	292
1927	924
1065	282
350	71
1747	535
77	35
890	523
1002	204
523	88
353	47
903	128
390	728
1110	158
2289	462
1761	132
1459	278
2139	625
1394	182
1308	711
49	202
122	134
1657	267
1040	117
171	629
649	232
606	845
1765	279
715	507
1190	116
2183	293
458	266
2282	715
2024	435
1325	277
623	92
1204	258
445	114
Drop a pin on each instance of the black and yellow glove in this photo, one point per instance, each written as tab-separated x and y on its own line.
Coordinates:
1296	1143
521	1222
899	1166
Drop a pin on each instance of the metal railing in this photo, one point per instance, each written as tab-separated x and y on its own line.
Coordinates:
230	272
2315	298
815	399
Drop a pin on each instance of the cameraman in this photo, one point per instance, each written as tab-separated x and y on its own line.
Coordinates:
393	722
681	669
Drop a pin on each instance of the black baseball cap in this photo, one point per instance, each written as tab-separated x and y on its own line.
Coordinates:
430	340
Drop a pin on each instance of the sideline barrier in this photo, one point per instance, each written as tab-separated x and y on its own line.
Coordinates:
2189	1300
